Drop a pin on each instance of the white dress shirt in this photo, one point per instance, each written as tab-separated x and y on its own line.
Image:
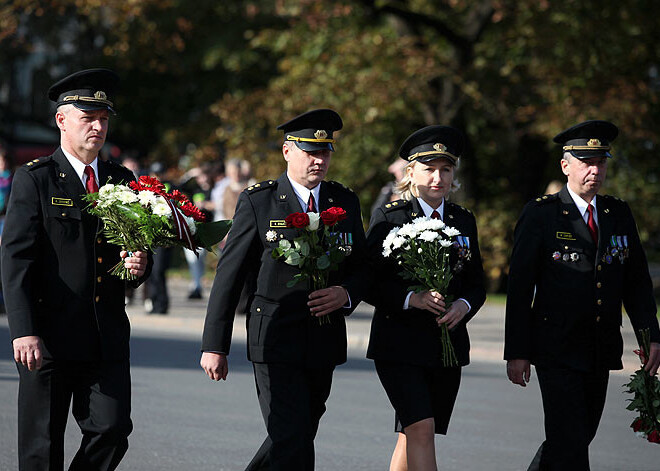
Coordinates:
79	167
582	205
302	193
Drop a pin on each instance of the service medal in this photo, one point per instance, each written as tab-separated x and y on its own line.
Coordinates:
575	257
556	256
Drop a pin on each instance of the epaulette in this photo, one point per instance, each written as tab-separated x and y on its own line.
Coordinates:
36	163
260	186
458	206
546	198
394	205
615	198
332	182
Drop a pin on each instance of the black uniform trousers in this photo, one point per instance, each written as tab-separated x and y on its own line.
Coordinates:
573	403
101	393
156	284
292	400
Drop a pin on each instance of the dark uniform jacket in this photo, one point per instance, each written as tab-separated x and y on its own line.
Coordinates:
412	336
55	264
279	324
565	293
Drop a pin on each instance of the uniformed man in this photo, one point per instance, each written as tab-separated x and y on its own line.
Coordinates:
293	354
576	258
67	321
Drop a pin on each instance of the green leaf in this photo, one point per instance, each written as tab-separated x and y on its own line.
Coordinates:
210	234
323	262
292	258
285	244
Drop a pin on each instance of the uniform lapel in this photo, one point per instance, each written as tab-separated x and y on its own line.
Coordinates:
68	180
326	199
415	210
449	214
605	224
104	173
286	197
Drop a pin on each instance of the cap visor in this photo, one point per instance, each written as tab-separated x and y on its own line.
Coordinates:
428	158
587	154
93	107
315	146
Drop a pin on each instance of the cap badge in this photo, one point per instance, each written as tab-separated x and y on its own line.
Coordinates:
439	147
100	95
593	142
321	134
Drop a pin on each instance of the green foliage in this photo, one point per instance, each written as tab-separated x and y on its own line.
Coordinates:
222	75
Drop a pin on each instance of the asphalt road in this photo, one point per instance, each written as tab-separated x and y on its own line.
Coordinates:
184	421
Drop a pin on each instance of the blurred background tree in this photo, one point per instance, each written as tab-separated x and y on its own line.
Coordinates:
210	79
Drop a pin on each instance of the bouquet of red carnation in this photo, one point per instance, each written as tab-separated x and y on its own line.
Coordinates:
143	215
646	399
317	250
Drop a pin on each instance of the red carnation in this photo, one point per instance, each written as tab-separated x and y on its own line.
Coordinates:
654	437
297	220
637	425
176	195
193	211
332	216
148	183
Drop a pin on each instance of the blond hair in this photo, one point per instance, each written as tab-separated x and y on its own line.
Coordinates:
407	189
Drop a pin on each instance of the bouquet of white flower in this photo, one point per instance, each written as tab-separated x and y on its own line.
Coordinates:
422	249
142	215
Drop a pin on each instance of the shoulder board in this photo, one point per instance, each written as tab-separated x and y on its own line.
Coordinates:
545	199
615	198
394	205
260	186
341	185
36	163
458	206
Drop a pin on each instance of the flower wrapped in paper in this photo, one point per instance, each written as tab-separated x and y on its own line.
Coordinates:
142	215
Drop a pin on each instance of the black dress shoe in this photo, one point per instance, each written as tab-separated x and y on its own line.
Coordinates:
195	294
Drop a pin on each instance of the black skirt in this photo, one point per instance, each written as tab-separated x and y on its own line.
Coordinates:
420	392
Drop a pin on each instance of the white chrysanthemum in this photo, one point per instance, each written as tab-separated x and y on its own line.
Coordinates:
451	232
127	197
436	224
640	434
146	197
161	209
408	230
192	225
398	242
314	219
445	243
428	236
106	189
419	250
387	243
387	252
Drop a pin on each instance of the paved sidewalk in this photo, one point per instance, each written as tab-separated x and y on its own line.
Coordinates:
486	329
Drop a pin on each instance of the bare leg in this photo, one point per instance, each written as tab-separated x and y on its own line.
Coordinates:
420	445
399	460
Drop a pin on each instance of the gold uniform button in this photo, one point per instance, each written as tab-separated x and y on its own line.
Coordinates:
98	279
97	298
99	240
598	319
100	259
599	285
258	309
600	267
63	215
599	302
